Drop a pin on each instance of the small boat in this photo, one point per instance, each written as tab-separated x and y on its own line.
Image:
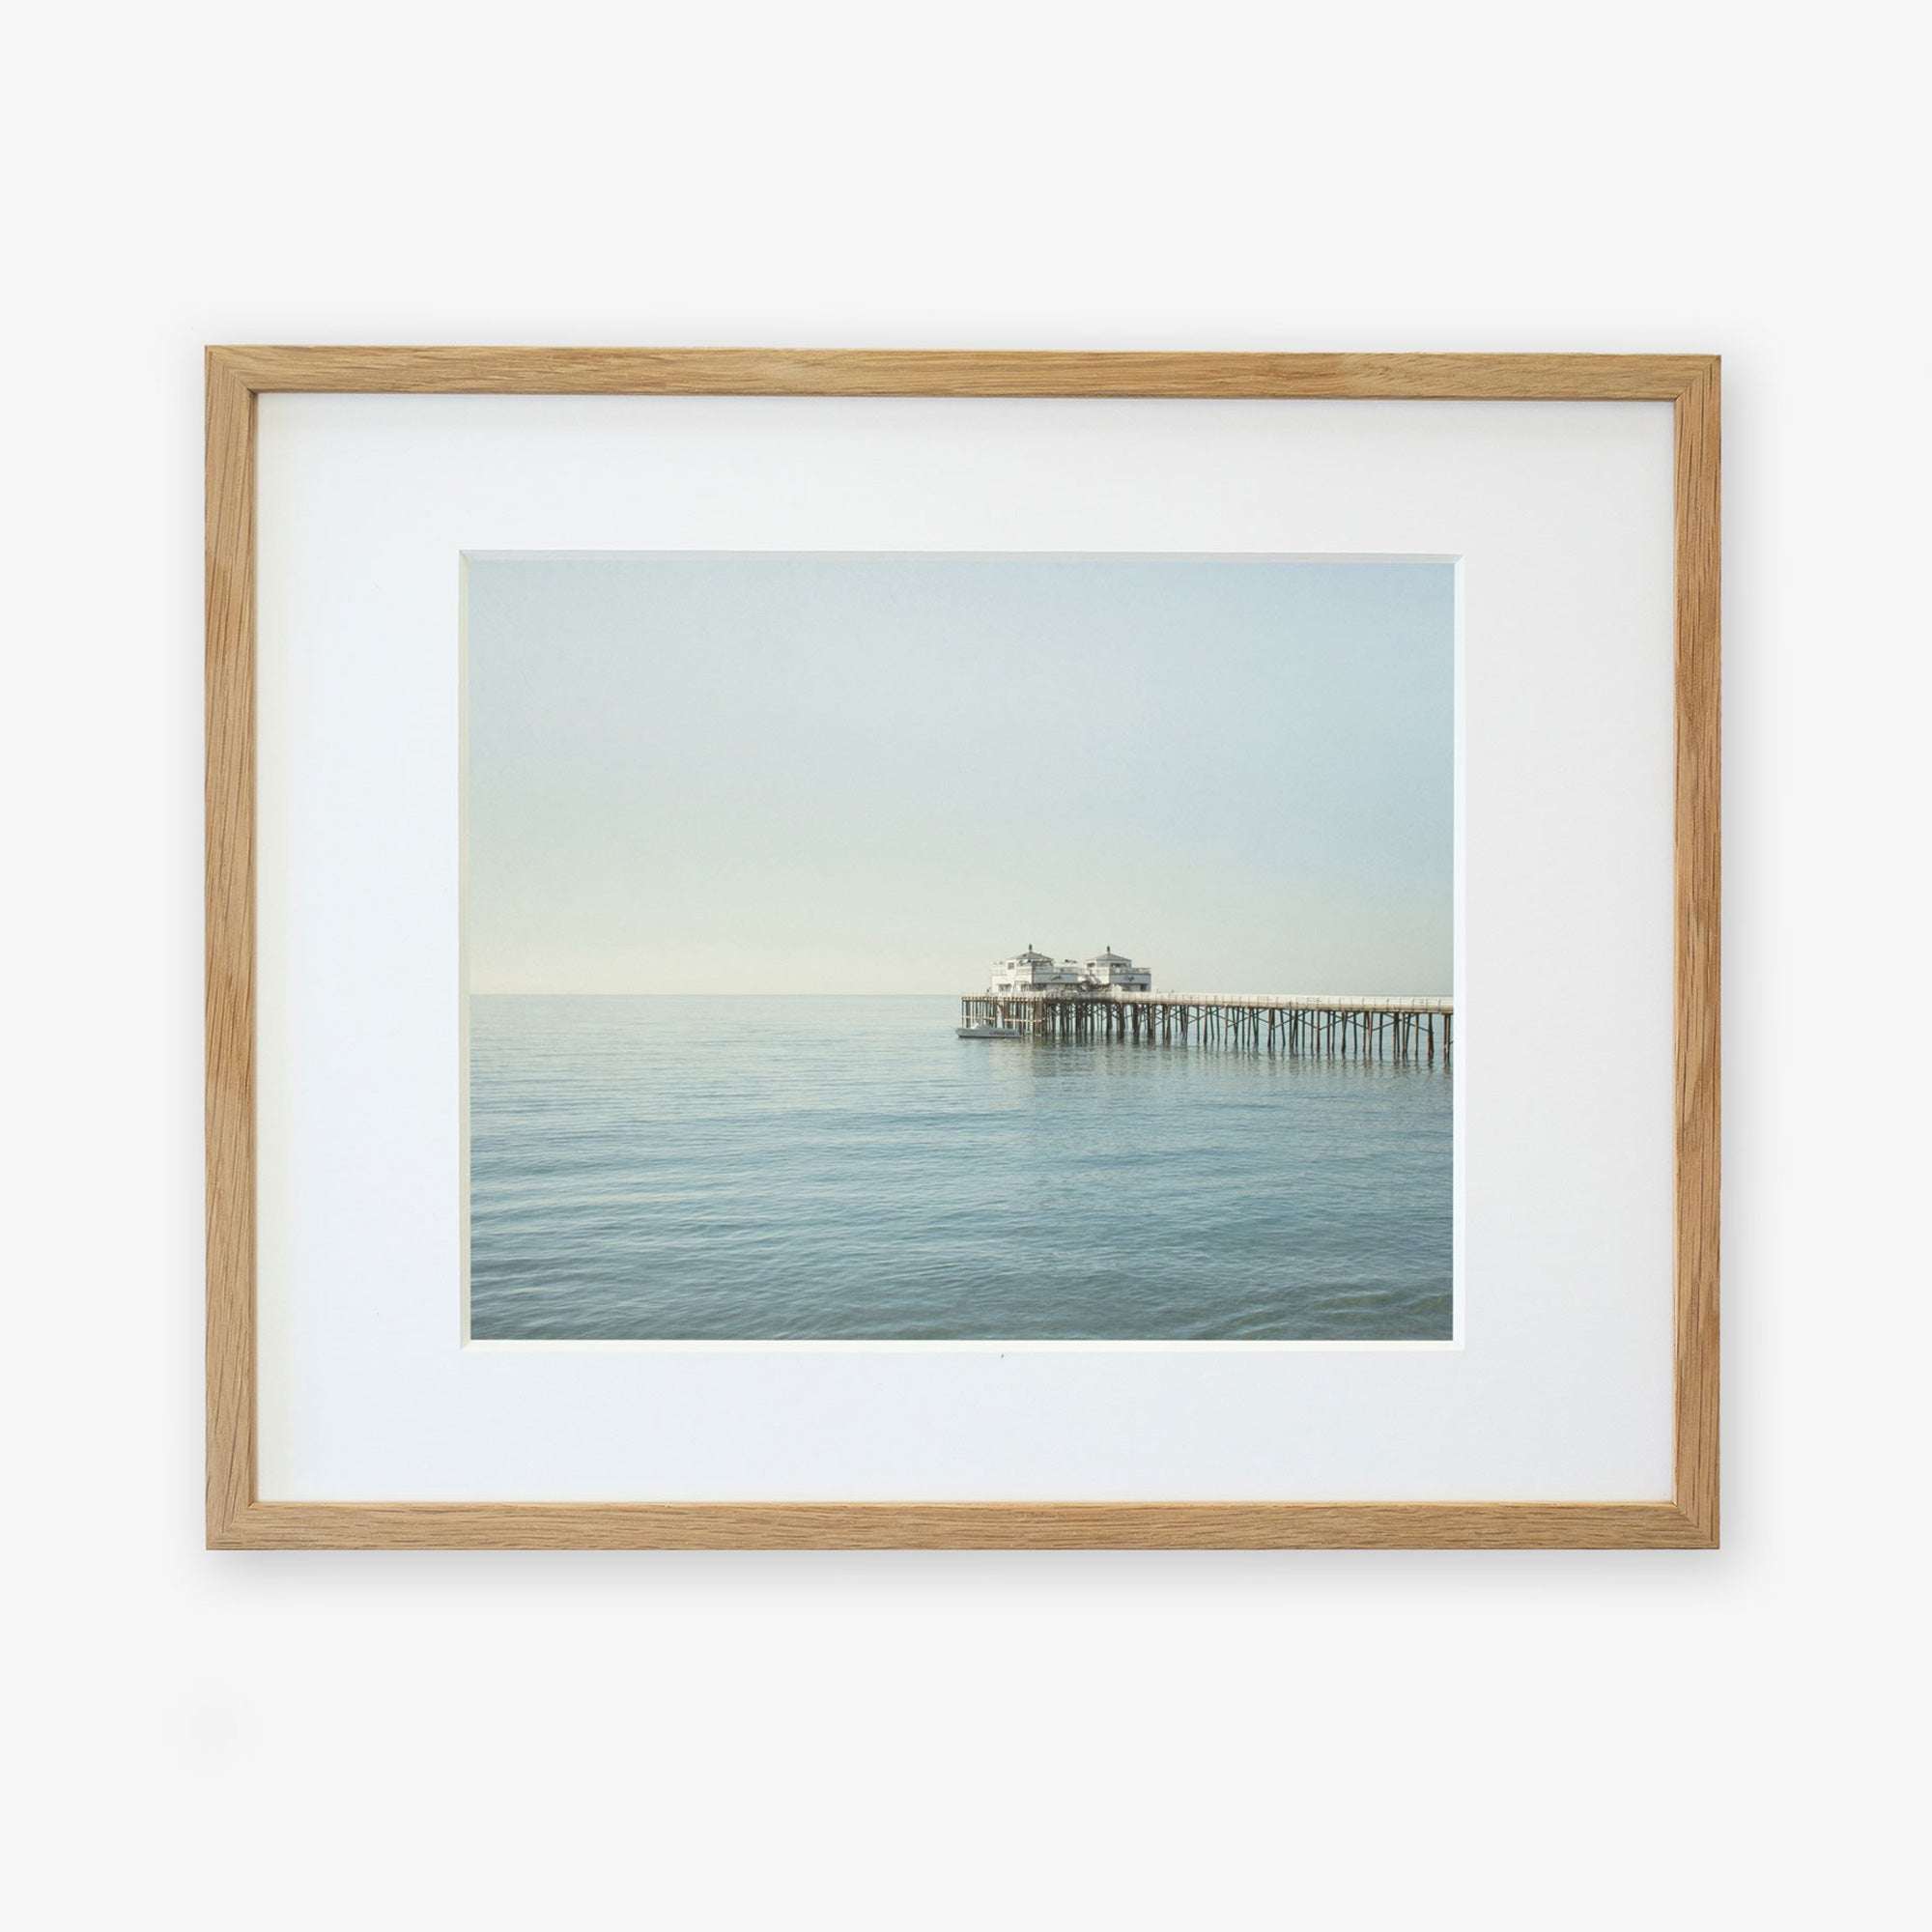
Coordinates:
988	1031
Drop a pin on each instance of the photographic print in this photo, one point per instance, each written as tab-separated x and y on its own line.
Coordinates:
947	947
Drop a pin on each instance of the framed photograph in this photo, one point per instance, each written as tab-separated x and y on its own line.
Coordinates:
861	949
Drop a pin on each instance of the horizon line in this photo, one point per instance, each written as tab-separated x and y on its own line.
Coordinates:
793	993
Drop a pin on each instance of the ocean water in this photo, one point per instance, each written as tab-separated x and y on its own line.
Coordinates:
846	1168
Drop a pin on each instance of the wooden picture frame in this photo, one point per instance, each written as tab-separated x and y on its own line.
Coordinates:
238	1518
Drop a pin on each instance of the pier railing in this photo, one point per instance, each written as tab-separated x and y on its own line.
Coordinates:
1378	1026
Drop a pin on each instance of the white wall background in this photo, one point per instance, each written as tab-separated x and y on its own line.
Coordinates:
482	1741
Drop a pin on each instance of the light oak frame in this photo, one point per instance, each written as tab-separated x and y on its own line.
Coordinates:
238	1519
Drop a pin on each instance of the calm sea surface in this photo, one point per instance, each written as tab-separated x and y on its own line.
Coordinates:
846	1168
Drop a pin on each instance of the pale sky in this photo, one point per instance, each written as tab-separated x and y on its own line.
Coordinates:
821	774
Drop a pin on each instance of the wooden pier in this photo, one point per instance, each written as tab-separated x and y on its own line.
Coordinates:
1297	1023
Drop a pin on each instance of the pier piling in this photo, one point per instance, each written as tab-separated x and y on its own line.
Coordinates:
1326	1024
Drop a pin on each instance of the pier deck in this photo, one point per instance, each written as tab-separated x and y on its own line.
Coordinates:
1378	1027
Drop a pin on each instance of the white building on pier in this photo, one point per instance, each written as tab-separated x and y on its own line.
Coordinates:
1115	972
1106	972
